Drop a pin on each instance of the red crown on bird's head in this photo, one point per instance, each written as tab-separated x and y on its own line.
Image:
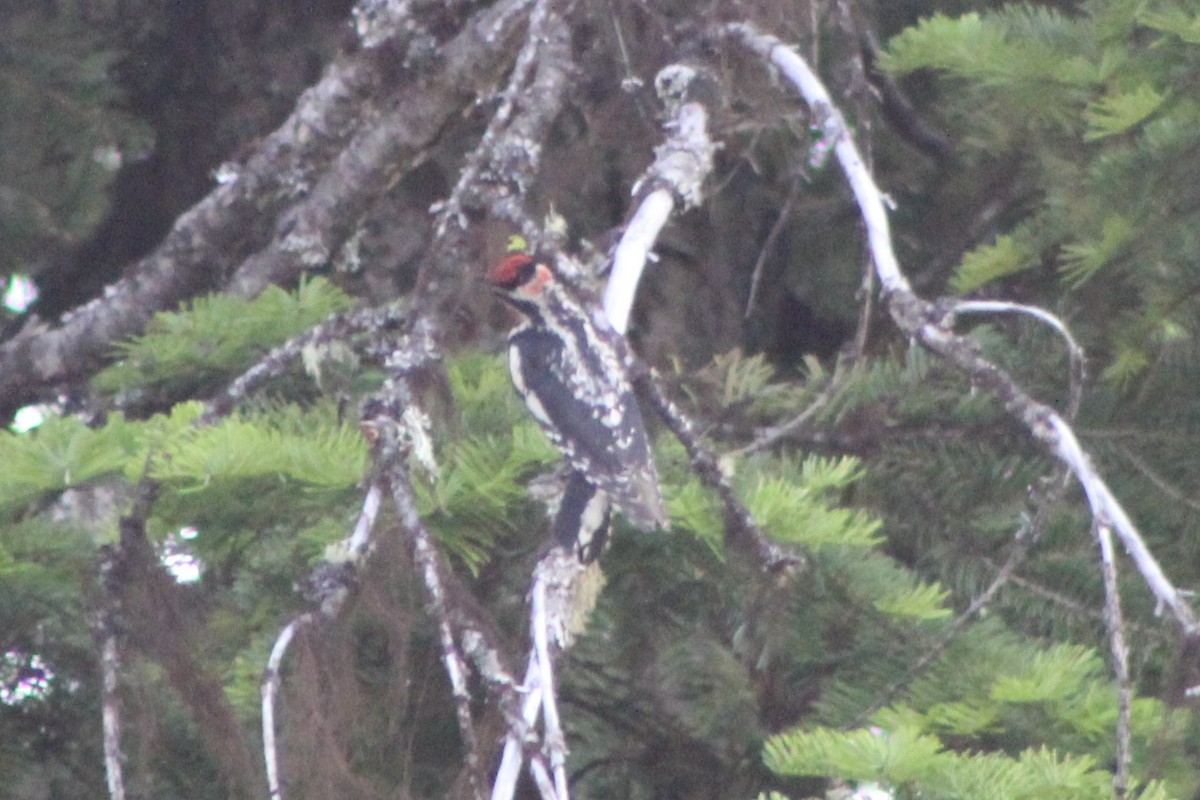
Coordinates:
519	273
508	271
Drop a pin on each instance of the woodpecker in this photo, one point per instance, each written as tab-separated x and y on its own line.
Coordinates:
569	366
583	521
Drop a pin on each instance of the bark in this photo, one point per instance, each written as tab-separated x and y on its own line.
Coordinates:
309	234
335	141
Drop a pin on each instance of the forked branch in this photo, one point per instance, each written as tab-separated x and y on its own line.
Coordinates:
930	326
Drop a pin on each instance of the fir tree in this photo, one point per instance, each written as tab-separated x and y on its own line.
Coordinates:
308	336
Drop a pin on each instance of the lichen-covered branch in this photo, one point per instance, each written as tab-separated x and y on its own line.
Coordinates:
741	529
429	563
308	234
555	741
463	630
499	173
375	326
201	245
496	179
681	164
309	179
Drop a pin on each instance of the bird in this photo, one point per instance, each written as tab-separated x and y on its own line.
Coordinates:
571	369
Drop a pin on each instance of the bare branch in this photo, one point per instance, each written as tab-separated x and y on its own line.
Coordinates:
509	153
333	583
680	167
1105	506
834	129
1075	352
110	664
1024	538
207	242
781	220
1120	653
504	785
555	742
394	474
925	323
542	779
560	593
309	234
204	242
270	687
739	523
103	621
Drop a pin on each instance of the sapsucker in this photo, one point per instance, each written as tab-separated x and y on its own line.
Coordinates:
569	366
584	518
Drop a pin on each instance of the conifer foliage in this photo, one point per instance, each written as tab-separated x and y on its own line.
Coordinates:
279	456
